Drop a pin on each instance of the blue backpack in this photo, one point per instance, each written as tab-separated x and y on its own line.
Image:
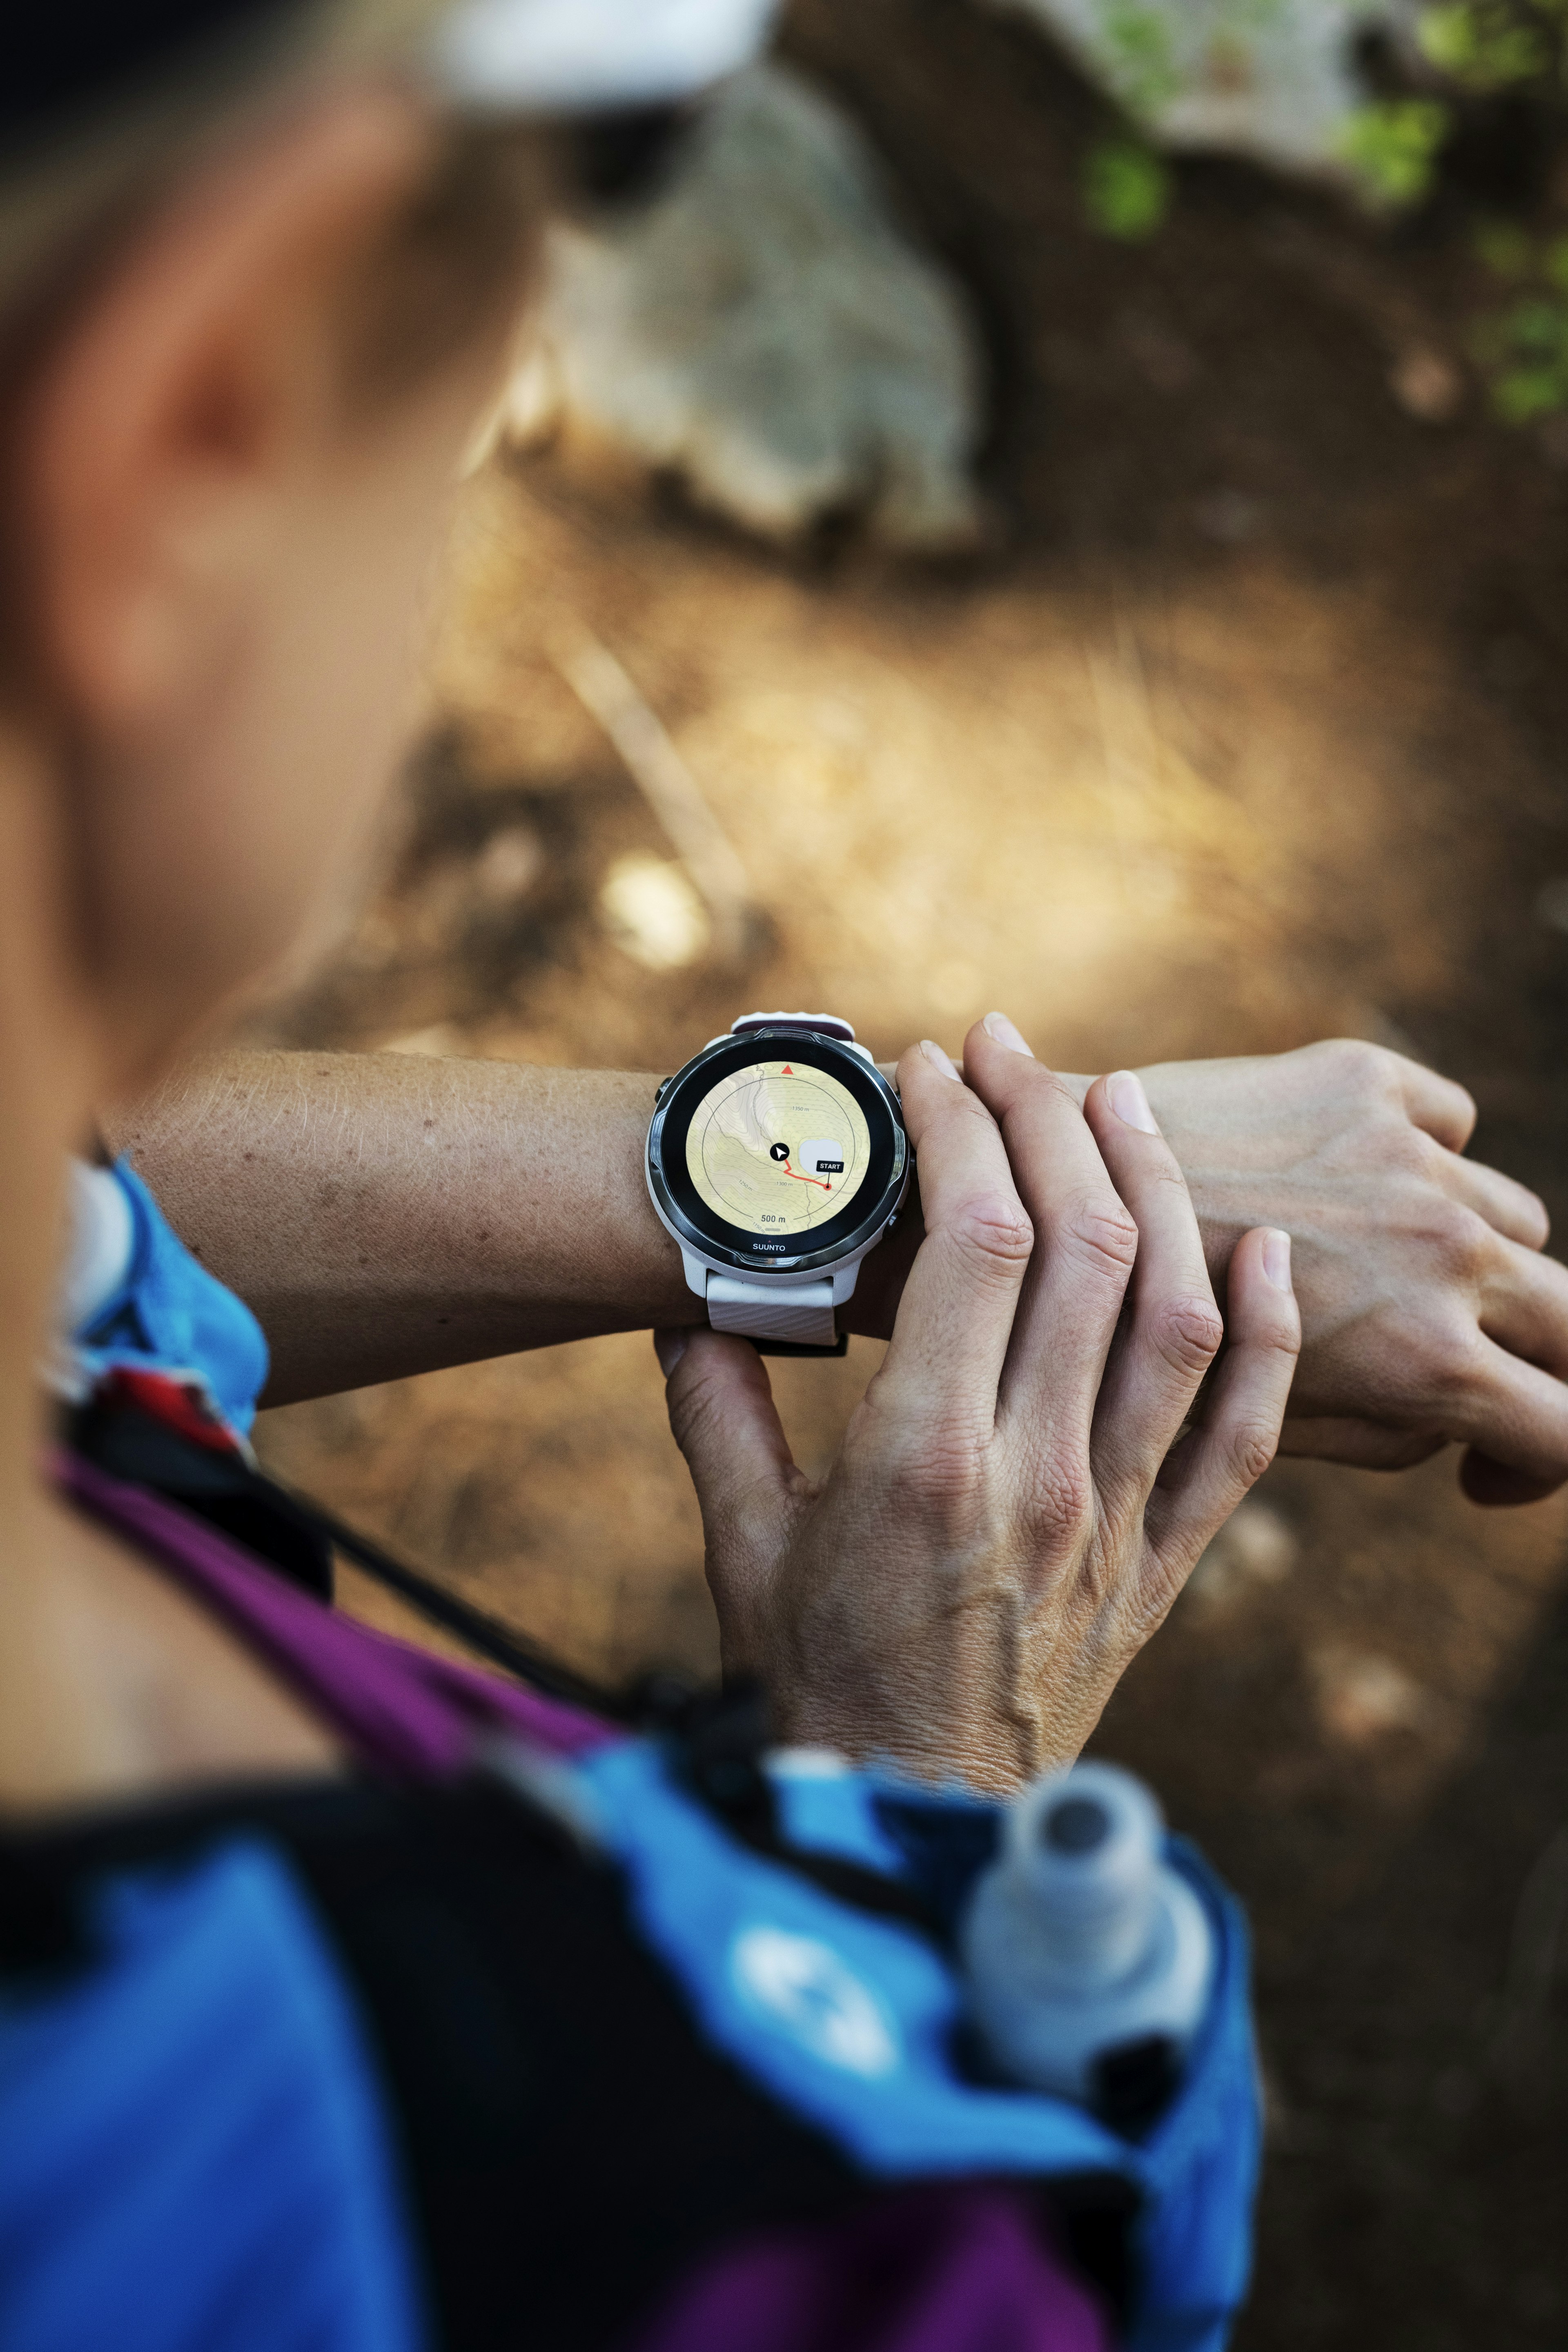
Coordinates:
706	2022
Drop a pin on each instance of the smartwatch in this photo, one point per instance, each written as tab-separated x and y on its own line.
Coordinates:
777	1158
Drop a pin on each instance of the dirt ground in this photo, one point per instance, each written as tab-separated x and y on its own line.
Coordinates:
1247	731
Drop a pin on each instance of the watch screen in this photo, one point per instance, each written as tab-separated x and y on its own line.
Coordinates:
777	1147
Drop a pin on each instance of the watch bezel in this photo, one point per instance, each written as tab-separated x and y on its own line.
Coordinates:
862	1077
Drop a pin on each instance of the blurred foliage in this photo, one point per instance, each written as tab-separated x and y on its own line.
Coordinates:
1126	189
1488	45
1393	146
1144	70
1484	49
1523	349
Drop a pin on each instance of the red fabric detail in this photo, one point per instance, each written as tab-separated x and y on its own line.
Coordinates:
180	1401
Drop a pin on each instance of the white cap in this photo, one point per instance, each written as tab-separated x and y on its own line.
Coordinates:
101	1246
580	57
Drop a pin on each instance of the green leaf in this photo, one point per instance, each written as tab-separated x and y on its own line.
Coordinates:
1142	66
1524	394
1393	145
1487	45
1126	189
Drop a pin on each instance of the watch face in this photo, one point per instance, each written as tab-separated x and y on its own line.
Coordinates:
777	1149
778	1146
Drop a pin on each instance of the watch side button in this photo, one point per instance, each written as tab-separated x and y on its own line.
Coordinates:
662	1088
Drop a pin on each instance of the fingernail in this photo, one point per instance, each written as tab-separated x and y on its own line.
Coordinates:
669	1347
1130	1102
939	1060
1277	1259
997	1025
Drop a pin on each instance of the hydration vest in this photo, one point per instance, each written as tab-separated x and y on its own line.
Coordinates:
637	2033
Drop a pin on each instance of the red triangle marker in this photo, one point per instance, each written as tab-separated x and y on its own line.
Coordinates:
787	1072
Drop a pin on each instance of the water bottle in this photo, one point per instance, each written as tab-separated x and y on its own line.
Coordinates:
1089	1960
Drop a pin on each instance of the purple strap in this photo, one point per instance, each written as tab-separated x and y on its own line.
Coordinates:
402	1710
954	2268
957	2267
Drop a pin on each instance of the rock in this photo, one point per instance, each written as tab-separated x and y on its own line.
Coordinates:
1361	1697
1428	385
763	328
1278	83
651	911
1254	1548
508	865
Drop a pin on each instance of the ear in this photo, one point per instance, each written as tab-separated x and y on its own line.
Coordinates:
196	390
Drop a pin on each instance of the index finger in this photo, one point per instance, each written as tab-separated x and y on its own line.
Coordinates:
1086	1240
955	1317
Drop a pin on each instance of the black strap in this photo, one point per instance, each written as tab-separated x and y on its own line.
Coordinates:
484	1634
717	1737
296	1536
800	1347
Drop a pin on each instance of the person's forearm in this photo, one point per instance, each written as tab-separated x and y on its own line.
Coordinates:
388	1214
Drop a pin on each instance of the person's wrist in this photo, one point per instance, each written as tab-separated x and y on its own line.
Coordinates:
993	1758
924	1709
647	1272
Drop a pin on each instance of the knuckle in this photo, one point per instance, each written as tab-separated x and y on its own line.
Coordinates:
1099	1231
1282	1336
1055	1496
993	1235
693	1404
1063	1499
1447	1363
1407	1150
1252	1447
1187	1333
1461	1240
1365	1073
941	1484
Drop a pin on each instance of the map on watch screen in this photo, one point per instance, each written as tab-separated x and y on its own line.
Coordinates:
777	1148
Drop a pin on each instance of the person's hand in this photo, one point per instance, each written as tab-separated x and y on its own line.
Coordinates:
1011	1515
1429	1315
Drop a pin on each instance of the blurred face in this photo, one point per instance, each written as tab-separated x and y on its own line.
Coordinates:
219	834
228	541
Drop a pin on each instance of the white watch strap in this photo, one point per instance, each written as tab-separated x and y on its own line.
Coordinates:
803	1316
823	1024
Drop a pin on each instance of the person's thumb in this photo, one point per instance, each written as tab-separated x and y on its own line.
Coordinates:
724	1420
